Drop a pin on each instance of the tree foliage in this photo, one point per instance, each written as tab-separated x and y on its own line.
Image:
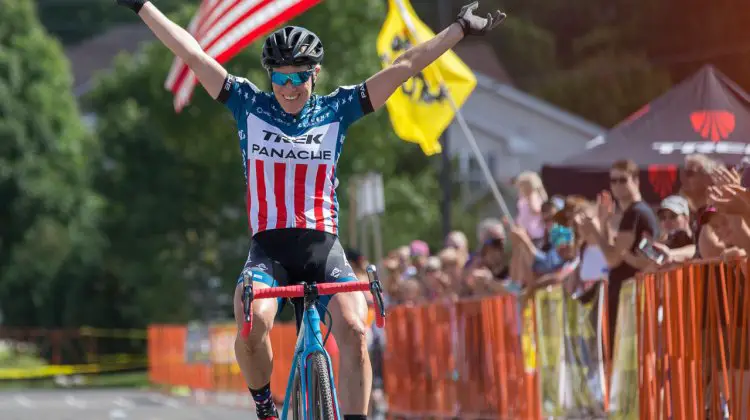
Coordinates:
49	214
72	21
606	87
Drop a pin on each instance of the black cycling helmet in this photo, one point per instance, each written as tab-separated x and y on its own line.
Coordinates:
292	46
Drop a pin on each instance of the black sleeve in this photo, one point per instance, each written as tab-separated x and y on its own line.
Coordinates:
226	90
364	99
648	221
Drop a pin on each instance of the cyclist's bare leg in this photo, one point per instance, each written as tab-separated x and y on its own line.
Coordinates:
254	354
349	314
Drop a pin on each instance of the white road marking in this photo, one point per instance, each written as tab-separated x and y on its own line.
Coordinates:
74	402
117	414
23	401
124	403
173	403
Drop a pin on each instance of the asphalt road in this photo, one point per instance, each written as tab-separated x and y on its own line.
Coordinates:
109	405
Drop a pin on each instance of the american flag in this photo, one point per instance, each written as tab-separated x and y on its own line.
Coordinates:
223	28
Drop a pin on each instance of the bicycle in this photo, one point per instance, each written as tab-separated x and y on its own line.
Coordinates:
311	361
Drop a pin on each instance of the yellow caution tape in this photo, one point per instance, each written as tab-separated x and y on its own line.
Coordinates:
113	333
58	370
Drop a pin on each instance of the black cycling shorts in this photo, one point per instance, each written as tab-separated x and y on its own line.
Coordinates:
281	257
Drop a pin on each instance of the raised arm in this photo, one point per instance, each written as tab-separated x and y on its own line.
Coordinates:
382	85
210	73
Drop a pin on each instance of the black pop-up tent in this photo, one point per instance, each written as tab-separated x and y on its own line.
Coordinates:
706	113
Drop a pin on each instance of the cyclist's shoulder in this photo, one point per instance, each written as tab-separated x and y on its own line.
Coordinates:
245	90
344	92
344	101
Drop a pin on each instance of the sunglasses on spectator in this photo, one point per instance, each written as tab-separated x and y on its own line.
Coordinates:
618	180
297	78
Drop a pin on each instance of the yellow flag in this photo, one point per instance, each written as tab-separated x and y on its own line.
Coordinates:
420	110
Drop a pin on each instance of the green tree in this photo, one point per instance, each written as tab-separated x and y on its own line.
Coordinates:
605	88
72	21
174	184
527	51
48	234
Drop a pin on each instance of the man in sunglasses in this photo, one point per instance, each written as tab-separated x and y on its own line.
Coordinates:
290	141
620	249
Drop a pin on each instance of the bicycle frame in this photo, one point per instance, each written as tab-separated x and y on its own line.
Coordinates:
309	340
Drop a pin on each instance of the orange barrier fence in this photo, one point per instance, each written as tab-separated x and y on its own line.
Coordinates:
458	360
218	371
693	350
167	364
681	351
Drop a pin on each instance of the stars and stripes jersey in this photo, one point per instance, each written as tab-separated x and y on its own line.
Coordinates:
290	160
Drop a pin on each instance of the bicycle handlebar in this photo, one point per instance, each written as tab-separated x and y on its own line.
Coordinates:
300	290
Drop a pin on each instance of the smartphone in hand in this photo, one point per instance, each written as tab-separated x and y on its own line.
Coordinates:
647	249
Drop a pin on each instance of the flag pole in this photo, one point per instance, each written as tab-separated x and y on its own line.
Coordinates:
462	124
446	175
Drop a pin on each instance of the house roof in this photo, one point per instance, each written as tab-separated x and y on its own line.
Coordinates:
97	53
539	106
481	57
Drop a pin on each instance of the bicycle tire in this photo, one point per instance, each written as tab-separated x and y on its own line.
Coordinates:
297	404
321	393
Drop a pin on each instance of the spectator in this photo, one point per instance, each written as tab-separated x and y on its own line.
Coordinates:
492	256
674	222
418	252
457	240
676	240
637	219
432	278
490	228
531	196
696	180
558	248
437	285
411	292
549	210
593	268
487	230
392	280
452	267
403	255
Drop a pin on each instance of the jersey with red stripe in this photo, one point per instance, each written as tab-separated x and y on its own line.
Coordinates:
290	160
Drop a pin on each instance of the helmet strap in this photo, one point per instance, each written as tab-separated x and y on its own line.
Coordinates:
314	76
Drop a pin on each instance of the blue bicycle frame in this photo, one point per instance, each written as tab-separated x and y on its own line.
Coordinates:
309	341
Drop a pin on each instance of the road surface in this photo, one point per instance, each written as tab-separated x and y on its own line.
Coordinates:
109	405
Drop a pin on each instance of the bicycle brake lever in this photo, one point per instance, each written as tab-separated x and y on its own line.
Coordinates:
376	289
247	301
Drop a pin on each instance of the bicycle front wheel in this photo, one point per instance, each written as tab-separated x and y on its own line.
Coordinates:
321	392
298	402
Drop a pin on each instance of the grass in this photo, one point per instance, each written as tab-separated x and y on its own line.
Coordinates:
138	380
120	380
22	358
